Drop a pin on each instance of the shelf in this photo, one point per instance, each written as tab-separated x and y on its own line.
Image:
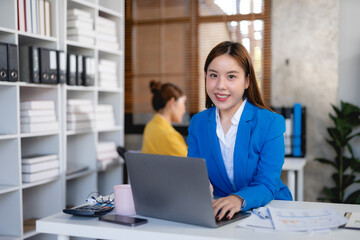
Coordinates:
81	4
38	85
8	188
116	128
79	131
80	88
38	183
79	174
39	134
79	45
110	12
20	201
26	38
110	90
109	51
7	136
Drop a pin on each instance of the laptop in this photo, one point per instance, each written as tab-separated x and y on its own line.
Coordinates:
173	188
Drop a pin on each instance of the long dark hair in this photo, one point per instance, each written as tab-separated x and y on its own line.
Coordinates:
241	55
162	93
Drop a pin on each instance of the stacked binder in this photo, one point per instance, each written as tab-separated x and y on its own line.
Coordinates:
107	74
80	114
39	167
38	116
105	116
106	33
80	26
106	155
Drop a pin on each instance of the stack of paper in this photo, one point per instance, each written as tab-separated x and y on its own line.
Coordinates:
106	155
105	116
38	116
80	26
39	167
106	33
80	114
302	220
107	74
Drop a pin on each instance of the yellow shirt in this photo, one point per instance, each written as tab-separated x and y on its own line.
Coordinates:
160	137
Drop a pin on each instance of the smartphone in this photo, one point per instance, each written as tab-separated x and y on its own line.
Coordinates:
124	220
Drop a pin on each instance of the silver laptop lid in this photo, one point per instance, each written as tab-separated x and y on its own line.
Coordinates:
171	188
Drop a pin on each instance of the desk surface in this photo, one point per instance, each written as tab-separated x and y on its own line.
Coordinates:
67	225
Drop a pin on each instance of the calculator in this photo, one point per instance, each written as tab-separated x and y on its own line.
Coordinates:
95	210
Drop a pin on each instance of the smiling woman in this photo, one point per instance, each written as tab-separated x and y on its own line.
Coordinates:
241	140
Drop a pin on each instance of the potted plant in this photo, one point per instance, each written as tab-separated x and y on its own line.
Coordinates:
347	166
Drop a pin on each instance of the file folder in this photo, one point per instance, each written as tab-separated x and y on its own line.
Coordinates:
12	54
53	67
3	62
61	66
79	70
89	71
297	130
29	64
71	69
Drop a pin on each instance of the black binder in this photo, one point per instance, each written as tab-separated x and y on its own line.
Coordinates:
12	54
79	70
61	66
53	72
71	69
88	71
34	64
3	63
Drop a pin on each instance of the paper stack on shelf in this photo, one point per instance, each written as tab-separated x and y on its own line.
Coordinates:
39	167
38	116
106	155
107	74
80	26
80	114
105	116
106	33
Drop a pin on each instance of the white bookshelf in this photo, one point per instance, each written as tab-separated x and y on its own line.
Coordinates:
22	201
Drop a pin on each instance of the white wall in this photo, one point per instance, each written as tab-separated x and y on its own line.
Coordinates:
305	32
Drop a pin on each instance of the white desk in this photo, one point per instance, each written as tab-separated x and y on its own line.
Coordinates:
295	176
66	225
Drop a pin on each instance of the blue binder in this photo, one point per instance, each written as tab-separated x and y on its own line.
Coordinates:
297	130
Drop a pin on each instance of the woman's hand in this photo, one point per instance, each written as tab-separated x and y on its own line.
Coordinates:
231	204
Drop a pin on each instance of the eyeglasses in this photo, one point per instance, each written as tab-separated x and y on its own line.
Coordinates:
95	197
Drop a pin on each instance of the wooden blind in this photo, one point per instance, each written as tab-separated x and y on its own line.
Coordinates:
168	40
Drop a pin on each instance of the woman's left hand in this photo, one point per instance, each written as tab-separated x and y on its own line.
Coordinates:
231	204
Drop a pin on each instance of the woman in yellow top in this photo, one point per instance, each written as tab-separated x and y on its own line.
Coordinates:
160	137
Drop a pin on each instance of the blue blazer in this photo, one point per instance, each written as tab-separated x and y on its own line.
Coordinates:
258	155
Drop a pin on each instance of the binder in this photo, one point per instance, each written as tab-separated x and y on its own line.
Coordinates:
79	70
71	69
3	63
53	66
34	68
12	54
61	66
297	130
89	71
48	67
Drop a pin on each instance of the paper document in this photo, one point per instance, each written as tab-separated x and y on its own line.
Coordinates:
305	219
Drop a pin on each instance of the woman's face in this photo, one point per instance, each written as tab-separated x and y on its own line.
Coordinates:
226	83
178	110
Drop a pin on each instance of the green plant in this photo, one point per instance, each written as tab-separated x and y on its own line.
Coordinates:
347	166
